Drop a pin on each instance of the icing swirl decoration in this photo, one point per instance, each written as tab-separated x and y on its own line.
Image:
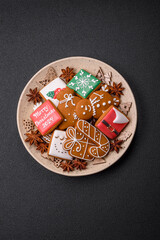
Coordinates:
71	134
93	102
77	144
102	145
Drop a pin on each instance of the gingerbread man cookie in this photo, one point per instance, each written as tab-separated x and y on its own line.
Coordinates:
102	144
77	144
67	106
96	105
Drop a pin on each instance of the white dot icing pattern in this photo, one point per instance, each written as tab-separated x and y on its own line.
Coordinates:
96	138
77	144
56	149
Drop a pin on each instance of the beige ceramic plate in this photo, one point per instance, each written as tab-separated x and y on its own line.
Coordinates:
91	65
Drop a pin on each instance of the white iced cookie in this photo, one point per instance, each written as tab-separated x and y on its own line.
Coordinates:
50	91
55	146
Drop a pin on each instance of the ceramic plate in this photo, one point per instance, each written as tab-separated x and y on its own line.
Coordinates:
25	108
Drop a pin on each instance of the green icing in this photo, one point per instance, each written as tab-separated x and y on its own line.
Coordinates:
50	94
83	83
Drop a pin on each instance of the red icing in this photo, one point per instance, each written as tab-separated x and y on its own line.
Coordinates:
45	117
57	91
108	131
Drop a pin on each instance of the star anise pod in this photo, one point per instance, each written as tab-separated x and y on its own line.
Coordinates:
33	137
115	145
67	166
67	74
34	95
116	89
79	164
43	147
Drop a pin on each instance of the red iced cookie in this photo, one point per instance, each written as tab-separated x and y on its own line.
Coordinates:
112	122
46	117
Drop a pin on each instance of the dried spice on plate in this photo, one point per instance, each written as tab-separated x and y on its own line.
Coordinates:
116	89
43	147
67	74
34	137
79	164
34	96
67	166
115	145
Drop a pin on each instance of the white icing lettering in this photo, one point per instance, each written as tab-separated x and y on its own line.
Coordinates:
38	113
37	123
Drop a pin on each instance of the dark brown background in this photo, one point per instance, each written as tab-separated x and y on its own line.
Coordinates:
121	202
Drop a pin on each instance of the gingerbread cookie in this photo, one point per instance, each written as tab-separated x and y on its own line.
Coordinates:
77	144
83	83
102	145
50	91
97	104
46	117
67	106
55	147
112	122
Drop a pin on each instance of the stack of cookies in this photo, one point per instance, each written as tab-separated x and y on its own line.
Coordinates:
68	111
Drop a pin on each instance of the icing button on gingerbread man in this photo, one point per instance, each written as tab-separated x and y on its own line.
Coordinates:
96	105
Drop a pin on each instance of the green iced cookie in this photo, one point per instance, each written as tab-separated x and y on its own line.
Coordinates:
84	83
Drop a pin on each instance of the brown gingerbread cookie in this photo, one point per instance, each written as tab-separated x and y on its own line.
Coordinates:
77	144
101	143
96	105
67	106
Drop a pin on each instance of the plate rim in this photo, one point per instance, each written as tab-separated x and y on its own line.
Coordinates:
18	113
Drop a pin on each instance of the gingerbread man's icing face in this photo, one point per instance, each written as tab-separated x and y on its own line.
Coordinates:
67	106
96	105
84	109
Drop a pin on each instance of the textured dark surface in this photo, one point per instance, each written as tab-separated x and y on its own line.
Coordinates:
121	202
